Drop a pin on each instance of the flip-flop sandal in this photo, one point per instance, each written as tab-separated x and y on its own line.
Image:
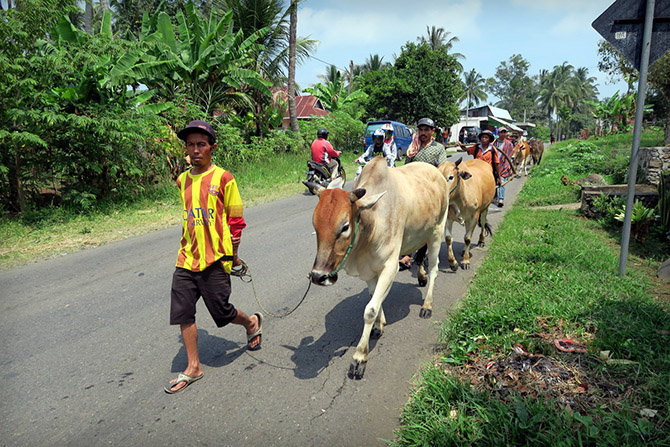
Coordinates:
258	333
185	378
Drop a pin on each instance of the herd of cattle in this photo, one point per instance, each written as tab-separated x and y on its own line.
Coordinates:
393	211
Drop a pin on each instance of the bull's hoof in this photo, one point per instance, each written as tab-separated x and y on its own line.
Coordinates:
465	266
423	282
357	370
425	313
481	244
453	267
376	333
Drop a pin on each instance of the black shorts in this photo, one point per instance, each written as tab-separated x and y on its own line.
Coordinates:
213	284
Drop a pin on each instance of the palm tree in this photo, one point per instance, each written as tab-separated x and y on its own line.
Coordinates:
293	115
272	55
332	74
474	86
438	38
374	62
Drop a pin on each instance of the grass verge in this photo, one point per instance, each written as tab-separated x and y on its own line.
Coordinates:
55	232
550	275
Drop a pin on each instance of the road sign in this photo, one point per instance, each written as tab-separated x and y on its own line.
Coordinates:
622	24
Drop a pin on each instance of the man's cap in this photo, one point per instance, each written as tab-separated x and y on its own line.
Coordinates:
486	132
426	122
196	126
502	129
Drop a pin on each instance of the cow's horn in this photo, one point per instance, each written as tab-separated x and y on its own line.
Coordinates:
458	162
356	194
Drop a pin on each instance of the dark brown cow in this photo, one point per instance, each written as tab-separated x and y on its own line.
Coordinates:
389	212
536	150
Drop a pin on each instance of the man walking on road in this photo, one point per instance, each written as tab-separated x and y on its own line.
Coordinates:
504	145
211	232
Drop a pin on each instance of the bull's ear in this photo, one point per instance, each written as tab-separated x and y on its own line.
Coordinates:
369	201
458	162
314	188
465	175
356	194
337	183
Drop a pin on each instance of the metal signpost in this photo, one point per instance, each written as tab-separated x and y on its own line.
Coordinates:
628	25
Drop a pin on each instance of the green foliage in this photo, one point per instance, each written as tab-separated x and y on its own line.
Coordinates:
335	95
346	133
423	82
203	58
540	132
608	209
640	214
232	150
517	90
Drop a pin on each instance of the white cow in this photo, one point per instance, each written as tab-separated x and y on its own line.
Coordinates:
389	212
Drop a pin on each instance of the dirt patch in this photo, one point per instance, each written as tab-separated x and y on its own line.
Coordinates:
567	378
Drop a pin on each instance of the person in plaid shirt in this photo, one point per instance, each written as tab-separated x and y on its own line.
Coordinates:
503	144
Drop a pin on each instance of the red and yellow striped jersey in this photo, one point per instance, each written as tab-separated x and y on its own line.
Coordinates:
212	212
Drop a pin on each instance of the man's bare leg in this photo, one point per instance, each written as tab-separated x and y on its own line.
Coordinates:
189	332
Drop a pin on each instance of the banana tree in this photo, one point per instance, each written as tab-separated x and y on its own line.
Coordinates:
335	96
202	58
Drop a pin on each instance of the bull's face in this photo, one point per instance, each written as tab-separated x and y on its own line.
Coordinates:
334	223
451	173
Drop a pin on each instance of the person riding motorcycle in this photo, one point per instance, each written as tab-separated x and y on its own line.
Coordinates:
322	150
379	146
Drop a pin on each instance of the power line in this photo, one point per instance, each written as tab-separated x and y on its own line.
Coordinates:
329	64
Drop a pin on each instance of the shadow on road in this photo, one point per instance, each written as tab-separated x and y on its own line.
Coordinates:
214	351
344	325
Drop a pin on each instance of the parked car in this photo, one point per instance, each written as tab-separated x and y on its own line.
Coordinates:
471	134
401	133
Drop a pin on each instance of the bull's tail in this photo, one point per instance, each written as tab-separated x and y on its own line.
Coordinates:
488	231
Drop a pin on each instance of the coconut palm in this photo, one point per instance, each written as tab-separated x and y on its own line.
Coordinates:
374	62
272	55
332	74
474	86
438	38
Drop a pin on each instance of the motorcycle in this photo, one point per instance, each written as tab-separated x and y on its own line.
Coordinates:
320	174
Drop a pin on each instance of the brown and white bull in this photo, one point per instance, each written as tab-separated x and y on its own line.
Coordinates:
521	158
472	187
363	232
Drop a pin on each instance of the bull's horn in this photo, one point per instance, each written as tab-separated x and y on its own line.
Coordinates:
314	188
356	194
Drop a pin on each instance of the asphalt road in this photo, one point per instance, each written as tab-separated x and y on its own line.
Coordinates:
87	347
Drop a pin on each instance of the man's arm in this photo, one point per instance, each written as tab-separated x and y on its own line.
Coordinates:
331	151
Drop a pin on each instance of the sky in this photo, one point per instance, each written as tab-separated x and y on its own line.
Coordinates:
545	32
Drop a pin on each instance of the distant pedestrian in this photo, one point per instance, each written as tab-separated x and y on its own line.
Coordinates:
504	145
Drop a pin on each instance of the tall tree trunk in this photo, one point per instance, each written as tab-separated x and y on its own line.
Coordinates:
351	76
293	114
20	193
88	17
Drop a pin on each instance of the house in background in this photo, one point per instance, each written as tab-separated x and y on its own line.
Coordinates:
486	117
306	106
